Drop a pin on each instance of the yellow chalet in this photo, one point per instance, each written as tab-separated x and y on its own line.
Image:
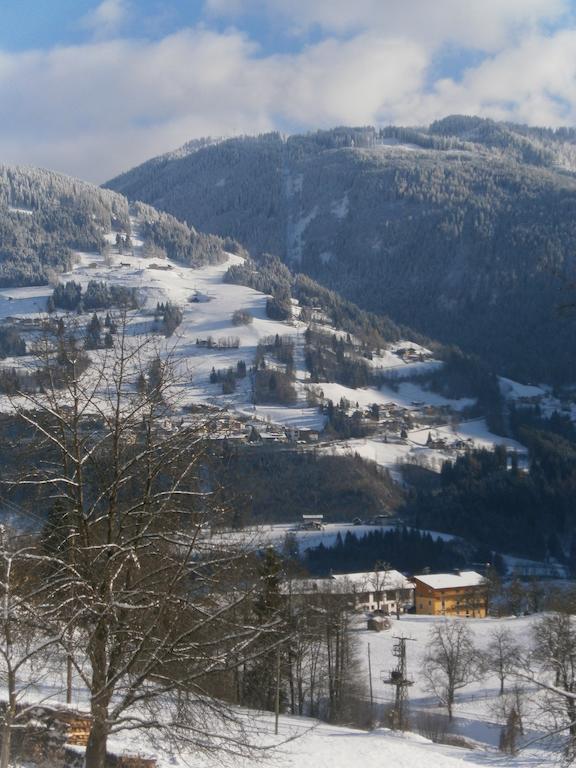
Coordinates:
461	593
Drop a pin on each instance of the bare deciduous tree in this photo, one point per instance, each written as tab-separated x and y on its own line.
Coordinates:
451	661
152	603
552	667
28	632
501	655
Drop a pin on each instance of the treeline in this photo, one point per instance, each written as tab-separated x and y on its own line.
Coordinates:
170	314
177	240
228	377
98	295
405	549
315	673
341	422
215	198
485	498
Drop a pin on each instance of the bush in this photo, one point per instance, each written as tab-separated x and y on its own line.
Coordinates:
242	317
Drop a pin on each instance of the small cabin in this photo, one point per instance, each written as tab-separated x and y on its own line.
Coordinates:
312	523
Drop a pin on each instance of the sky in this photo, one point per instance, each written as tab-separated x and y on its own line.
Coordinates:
93	87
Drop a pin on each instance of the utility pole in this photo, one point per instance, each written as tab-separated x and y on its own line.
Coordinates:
277	699
371	691
398	678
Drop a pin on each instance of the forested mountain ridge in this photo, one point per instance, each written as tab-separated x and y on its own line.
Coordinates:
46	216
463	230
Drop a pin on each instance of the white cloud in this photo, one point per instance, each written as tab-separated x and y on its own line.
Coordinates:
484	24
96	109
534	82
107	18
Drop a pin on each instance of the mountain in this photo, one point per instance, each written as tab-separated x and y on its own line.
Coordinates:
463	230
324	405
45	217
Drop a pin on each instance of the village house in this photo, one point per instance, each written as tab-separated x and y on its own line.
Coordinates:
450	594
386	591
312	523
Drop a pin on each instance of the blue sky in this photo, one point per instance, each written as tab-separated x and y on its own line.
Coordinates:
26	24
91	87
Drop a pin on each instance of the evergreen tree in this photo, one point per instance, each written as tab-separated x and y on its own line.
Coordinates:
94	333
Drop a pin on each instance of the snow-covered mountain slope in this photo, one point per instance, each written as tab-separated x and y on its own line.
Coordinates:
448	229
208	340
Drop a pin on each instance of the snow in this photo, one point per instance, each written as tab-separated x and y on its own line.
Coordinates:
288	416
24	302
340	208
364	396
388	144
451	580
475	715
391	452
514	390
386	454
210	316
476	431
407	395
296	231
207	305
382	579
411	395
275	534
304	743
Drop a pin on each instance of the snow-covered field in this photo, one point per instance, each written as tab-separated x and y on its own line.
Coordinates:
304	743
392	453
476	714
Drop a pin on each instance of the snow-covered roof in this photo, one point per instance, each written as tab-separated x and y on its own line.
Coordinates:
350	583
451	580
375	580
